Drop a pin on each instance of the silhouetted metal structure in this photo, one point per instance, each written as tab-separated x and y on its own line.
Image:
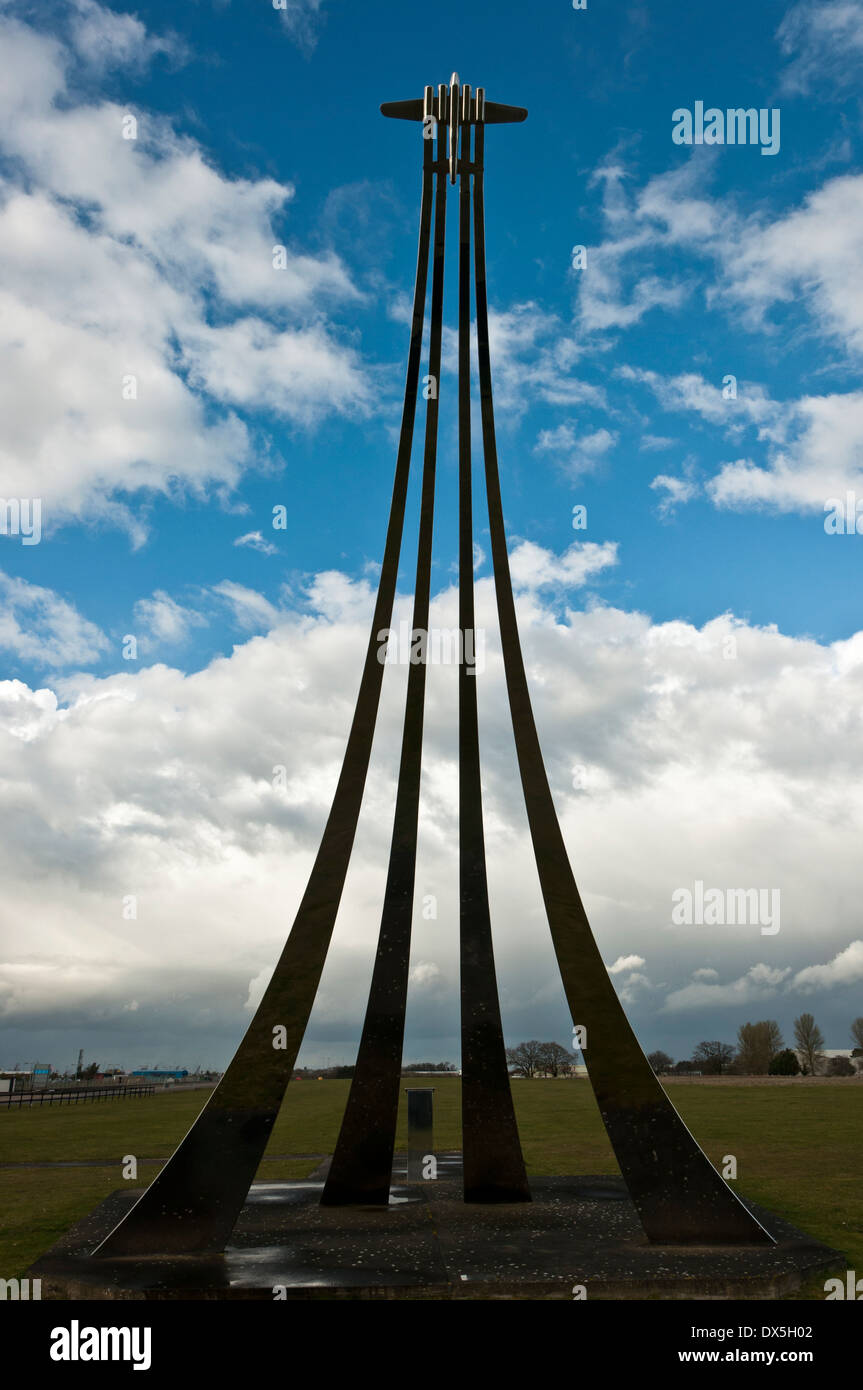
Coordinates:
194	1202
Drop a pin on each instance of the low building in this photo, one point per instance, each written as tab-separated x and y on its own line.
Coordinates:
156	1074
15	1081
826	1054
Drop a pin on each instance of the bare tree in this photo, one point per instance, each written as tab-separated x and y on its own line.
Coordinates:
526	1059
554	1059
757	1044
660	1061
809	1040
713	1057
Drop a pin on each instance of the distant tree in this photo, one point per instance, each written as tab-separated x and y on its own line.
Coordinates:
785	1063
660	1061
840	1066
757	1045
554	1059
428	1066
684	1066
857	1034
526	1059
89	1072
809	1040
714	1058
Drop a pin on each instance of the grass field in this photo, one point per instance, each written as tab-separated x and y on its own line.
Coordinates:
798	1149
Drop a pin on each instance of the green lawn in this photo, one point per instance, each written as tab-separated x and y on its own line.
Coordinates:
798	1151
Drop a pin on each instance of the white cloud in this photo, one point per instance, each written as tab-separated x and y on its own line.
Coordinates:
109	40
822	460
812	254
806	256
626	963
814	445
616	290
161	619
533	358
630	991
823	41
767	982
250	609
255	541
578	454
152	782
118	380
248	363
655	443
603	304
302	20
846	968
425	975
688	391
41	628
27	713
533	567
761	982
677	491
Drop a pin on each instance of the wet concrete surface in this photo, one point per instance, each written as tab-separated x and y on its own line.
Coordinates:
429	1244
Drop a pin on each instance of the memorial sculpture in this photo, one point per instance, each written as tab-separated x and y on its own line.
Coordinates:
193	1204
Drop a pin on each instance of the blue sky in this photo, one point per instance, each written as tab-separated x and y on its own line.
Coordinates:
152	257
600	86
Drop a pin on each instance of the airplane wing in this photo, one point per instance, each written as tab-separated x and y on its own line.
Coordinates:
403	110
495	113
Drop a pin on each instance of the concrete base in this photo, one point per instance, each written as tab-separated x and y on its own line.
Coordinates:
428	1244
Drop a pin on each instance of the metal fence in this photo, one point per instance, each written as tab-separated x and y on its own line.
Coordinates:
18	1099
